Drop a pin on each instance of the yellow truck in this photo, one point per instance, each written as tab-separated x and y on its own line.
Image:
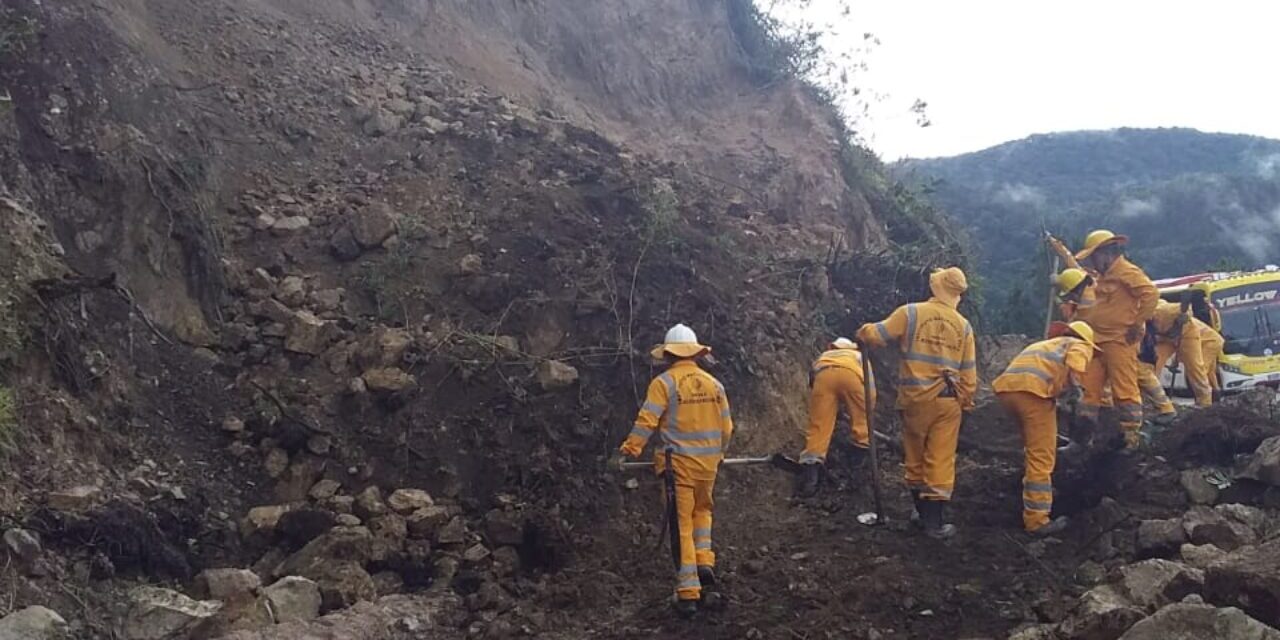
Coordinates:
1245	308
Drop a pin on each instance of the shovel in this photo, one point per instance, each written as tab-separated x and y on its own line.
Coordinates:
778	460
868	385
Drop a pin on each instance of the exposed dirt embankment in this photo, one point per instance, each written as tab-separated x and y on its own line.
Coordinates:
277	253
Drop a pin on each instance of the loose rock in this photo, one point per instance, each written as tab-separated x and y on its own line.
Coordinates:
73	499
1159	538
23	544
1264	464
33	623
1249	579
1102	614
373	225
293	599
553	374
1152	584
369	503
164	614
1200	622
227	585
388	380
407	501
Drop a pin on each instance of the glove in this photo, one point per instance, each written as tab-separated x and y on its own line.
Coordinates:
1132	334
615	463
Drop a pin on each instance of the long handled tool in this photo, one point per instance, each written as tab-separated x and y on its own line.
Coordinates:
673	514
784	462
1053	272
868	386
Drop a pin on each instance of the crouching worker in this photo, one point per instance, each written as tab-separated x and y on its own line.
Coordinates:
1029	389
835	381
688	410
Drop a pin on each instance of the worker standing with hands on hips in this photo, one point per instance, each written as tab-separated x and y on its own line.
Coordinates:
1029	389
688	409
937	380
835	381
1125	299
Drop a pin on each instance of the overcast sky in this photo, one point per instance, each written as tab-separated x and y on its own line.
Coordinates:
998	70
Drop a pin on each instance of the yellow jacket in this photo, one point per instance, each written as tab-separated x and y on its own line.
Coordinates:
688	409
1126	298
933	338
849	359
1042	369
1076	310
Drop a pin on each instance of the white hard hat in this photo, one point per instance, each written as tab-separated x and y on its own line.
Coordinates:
681	342
843	343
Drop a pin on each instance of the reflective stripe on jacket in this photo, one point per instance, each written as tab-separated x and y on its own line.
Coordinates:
689	411
1126	298
933	338
1042	368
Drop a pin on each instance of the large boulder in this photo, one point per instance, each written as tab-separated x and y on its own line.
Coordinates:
164	614
1204	525
372	225
1200	622
338	545
344	584
1264	464
33	623
227	585
1250	579
1151	584
1159	538
1103	613
1202	555
306	333
369	503
293	599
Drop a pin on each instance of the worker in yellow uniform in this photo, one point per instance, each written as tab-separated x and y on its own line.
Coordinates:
1125	299
937	380
1029	389
688	410
1178	333
1211	344
835	381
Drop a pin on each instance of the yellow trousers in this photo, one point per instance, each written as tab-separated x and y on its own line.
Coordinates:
1191	358
832	388
1152	390
693	511
1039	419
1210	351
930	433
1117	364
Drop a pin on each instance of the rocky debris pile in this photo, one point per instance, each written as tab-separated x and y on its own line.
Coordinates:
33	623
1224	556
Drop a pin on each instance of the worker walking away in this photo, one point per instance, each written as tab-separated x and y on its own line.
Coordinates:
688	410
937	380
1178	334
835	382
1125	299
1029	389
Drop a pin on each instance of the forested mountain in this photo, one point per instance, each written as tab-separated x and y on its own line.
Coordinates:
1189	200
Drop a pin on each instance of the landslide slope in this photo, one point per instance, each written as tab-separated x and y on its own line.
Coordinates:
257	244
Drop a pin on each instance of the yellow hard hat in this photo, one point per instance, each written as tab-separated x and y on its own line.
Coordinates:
1083	331
1069	279
1097	239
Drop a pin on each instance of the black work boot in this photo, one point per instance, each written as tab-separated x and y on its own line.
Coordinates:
707	576
686	608
931	513
810	477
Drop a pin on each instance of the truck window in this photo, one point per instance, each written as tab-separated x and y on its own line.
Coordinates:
1250	319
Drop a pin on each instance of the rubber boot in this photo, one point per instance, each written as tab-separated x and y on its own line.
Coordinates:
1055	526
915	508
810	477
932	515
686	609
1165	419
707	576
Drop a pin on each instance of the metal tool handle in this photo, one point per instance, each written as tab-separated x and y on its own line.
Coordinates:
868	388
728	462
